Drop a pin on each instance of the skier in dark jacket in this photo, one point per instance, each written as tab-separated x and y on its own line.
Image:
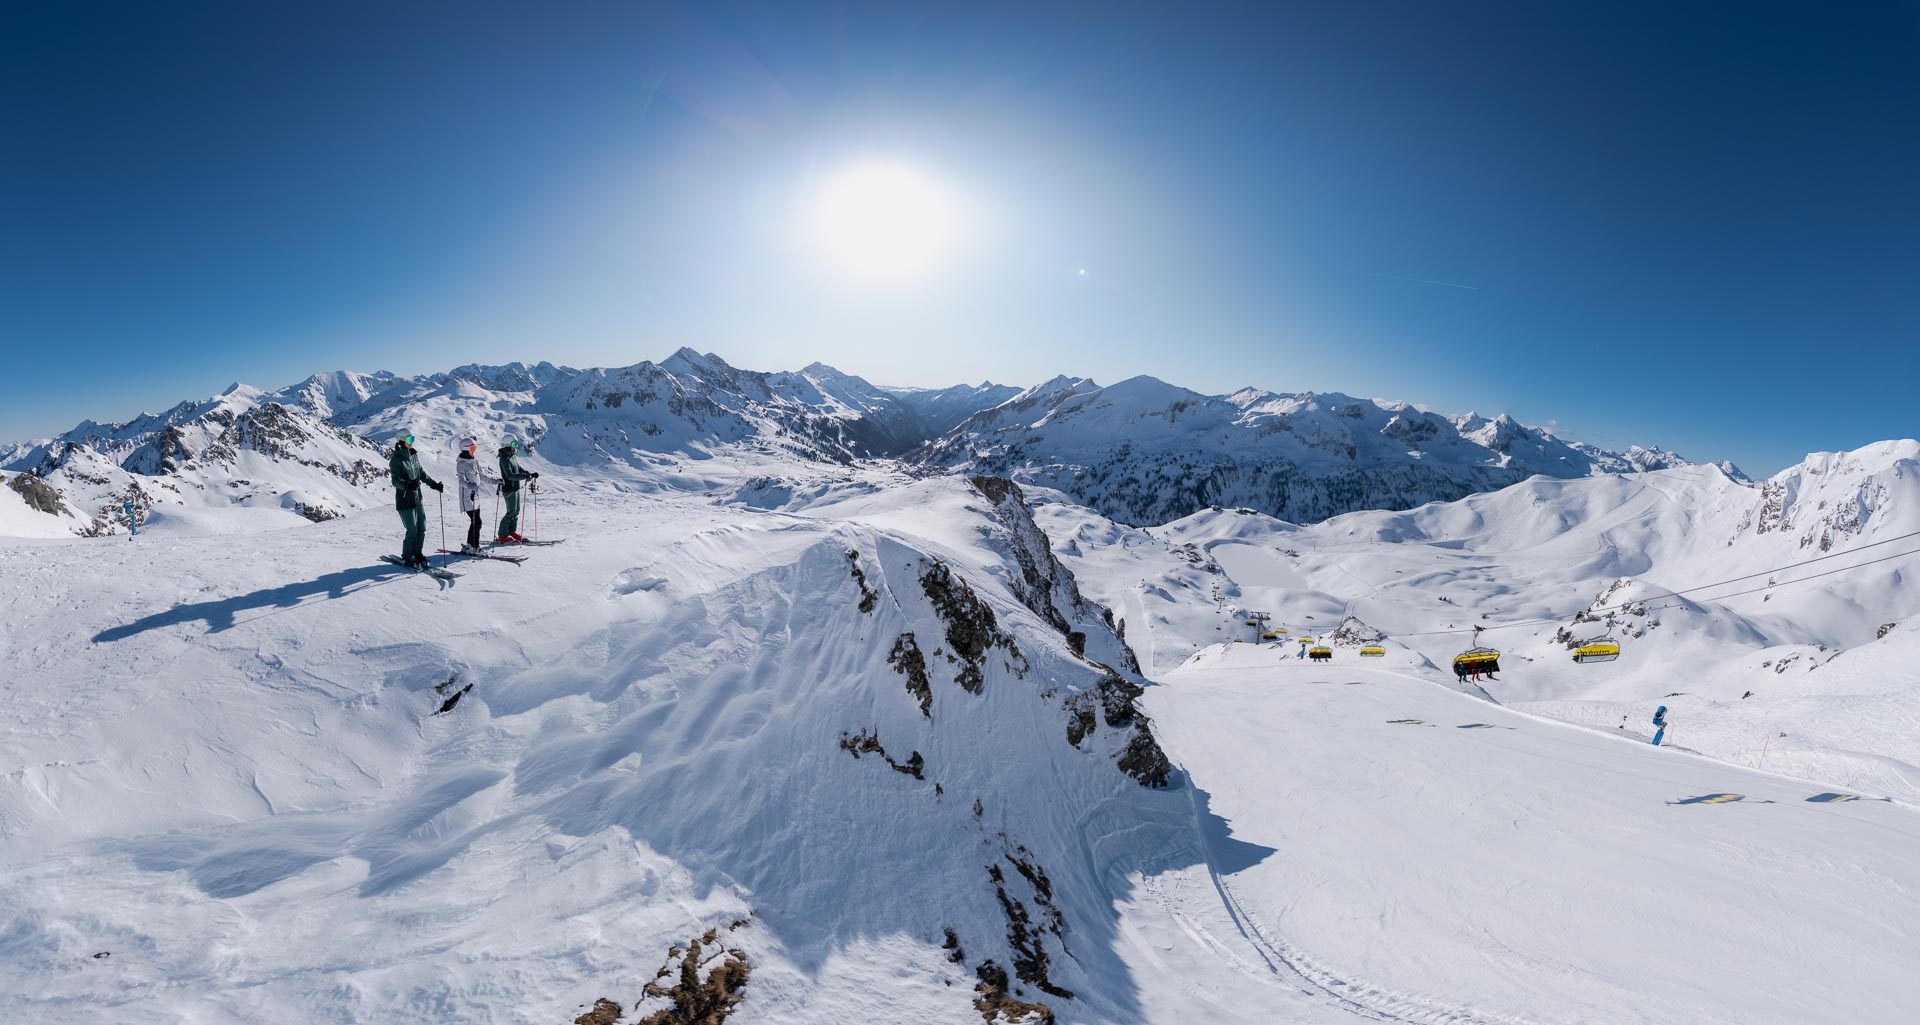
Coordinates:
512	474
404	468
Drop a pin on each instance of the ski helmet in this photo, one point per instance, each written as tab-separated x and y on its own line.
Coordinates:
403	438
510	442
467	443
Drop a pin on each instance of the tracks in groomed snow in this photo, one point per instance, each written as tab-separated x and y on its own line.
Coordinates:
1289	965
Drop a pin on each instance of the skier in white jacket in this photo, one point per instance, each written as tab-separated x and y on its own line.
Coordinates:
470	479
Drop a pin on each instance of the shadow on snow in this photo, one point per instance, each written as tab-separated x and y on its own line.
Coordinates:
219	614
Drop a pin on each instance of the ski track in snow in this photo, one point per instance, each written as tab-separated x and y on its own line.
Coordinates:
1289	965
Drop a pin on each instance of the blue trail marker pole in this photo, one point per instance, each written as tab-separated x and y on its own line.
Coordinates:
1660	724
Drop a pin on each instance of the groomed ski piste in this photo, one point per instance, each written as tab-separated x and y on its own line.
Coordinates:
864	739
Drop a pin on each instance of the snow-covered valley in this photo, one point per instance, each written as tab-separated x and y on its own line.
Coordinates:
788	732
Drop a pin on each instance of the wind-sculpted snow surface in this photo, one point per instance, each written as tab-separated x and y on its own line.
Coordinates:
624	766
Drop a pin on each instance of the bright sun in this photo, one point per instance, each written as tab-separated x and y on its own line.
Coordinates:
884	221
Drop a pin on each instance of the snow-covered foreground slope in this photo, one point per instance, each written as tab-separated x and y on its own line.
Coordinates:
875	751
1418	855
268	774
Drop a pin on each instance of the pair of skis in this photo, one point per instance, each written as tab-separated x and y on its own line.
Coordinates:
490	555
443	574
433	571
515	559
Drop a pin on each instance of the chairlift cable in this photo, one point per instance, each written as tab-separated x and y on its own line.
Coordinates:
1707	587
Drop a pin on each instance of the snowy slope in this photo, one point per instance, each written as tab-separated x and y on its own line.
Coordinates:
1810	567
1396	834
883	748
29	508
236	461
683	718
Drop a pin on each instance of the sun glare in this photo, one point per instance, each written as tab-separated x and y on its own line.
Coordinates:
884	221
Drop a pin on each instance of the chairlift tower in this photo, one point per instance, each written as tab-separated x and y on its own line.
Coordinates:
1258	621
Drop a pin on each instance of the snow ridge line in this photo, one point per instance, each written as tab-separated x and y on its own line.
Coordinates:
1364	999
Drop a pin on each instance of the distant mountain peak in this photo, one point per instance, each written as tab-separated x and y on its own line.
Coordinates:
1140	450
686	360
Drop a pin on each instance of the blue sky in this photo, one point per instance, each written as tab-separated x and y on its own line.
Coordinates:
1687	224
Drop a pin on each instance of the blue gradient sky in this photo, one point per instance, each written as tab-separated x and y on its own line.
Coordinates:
1688	224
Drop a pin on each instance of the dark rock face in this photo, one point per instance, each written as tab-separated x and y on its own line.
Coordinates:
972	630
865	742
906	659
1031	962
703	982
39	495
1112	702
1144	760
867	596
1048	588
997	1007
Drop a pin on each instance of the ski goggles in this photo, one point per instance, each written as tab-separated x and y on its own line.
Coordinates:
405	439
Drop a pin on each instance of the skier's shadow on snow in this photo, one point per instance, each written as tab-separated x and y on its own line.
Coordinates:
220	613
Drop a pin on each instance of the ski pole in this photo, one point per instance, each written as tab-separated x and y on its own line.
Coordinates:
443	524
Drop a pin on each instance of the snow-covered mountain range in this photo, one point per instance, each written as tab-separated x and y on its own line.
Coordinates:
1144	451
1141	451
